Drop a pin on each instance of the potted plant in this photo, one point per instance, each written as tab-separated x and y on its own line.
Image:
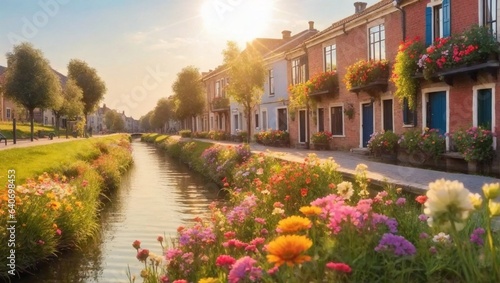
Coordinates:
383	143
321	140
476	146
349	111
326	82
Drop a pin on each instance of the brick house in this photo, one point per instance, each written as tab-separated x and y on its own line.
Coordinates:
374	33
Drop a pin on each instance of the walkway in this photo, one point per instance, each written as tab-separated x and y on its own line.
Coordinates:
409	178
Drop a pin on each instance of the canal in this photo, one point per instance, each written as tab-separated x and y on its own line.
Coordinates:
156	196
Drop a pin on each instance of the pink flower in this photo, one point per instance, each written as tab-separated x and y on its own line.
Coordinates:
58	232
180	281
339	266
225	260
136	244
159	239
142	254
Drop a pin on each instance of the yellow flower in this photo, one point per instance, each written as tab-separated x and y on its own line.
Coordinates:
310	210
476	200
491	191
209	280
345	190
494	208
54	205
293	224
447	202
288	249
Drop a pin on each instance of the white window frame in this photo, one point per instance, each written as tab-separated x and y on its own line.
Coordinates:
474	107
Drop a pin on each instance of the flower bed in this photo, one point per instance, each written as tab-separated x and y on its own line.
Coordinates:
475	144
321	140
290	222
273	138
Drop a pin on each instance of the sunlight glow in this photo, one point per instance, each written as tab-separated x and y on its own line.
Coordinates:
237	20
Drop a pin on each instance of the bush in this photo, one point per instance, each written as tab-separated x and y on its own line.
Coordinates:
185	133
475	143
322	137
385	142
273	138
433	143
200	135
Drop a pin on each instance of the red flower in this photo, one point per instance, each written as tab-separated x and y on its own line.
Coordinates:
303	192
225	260
136	244
142	254
339	266
421	199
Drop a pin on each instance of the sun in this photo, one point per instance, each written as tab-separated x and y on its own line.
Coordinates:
237	20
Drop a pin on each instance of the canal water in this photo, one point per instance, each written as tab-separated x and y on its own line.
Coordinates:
156	196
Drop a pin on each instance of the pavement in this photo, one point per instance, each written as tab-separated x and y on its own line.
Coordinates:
409	178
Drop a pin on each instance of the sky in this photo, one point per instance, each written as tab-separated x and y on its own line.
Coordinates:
139	47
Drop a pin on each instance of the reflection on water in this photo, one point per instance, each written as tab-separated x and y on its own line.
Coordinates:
156	196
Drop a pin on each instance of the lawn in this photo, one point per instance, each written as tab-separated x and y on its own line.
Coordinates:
23	130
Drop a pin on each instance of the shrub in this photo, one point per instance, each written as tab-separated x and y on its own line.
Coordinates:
273	138
411	141
322	137
433	143
385	142
185	133
475	143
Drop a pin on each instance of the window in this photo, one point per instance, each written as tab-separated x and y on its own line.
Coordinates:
377	42
271	82
264	120
282	119
236	118
484	107
256	119
337	121
7	113
222	88
330	53
321	119
437	20
298	71
217	89
387	115
489	15
409	116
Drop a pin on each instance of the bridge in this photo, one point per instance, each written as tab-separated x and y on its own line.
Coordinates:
136	135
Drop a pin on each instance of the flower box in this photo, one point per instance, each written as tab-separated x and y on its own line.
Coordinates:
372	88
220	104
369	76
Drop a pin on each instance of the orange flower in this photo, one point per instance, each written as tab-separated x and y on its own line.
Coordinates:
288	249
310	210
294	224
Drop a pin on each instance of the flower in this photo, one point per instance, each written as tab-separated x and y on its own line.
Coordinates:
288	249
491	191
364	72
225	260
448	204
476	236
476	200
310	210
209	280
494	208
136	244
142	254
322	137
442	238
244	268
294	224
400	201
383	142
339	266
421	199
396	244
475	143
345	190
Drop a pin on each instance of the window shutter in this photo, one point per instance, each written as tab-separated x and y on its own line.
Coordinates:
446	18
428	26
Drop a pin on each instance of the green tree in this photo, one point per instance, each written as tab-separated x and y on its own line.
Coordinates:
162	113
72	104
144	122
189	93
30	81
114	121
247	72
88	80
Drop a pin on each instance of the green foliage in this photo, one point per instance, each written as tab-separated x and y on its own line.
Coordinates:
475	143
433	143
185	133
22	130
411	141
404	70
114	121
218	135
273	138
162	113
322	137
87	79
189	93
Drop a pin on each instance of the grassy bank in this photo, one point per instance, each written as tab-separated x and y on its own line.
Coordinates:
52	196
23	130
301	222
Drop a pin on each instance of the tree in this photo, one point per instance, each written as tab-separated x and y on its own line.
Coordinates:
72	104
93	88
144	122
162	113
114	121
30	81
189	93
247	72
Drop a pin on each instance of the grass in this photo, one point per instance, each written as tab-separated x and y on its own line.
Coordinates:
33	161
23	130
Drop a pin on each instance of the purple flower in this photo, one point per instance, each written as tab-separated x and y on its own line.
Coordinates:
423	217
424	235
400	201
396	244
476	236
244	268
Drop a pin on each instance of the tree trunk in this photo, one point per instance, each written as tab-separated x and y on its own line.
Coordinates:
248	110
58	116
32	122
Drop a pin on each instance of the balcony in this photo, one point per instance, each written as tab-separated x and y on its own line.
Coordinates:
220	104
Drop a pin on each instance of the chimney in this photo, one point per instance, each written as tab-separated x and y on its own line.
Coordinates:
286	34
359	7
311	25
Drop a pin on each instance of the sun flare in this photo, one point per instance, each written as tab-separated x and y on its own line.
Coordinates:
238	20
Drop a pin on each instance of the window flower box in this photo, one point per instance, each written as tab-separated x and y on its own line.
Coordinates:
369	76
220	104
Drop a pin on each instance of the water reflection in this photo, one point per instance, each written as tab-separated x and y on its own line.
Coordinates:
156	196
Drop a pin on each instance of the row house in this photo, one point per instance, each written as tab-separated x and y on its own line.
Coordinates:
216	116
447	102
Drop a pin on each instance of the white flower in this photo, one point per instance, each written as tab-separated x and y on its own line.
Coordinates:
441	238
361	167
278	210
447	202
265	192
345	190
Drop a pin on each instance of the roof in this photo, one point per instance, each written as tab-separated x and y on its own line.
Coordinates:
294	41
352	17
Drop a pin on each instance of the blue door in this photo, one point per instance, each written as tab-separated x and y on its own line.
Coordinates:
367	122
436	111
